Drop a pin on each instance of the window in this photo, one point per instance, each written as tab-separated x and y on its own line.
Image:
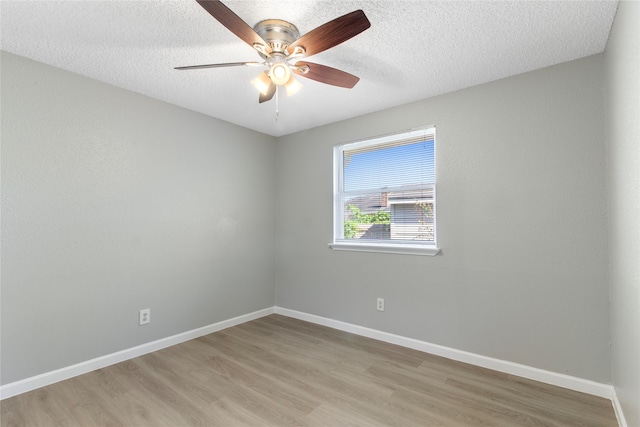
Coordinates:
385	194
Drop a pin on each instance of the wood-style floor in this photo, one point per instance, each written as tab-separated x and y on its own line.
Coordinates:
279	371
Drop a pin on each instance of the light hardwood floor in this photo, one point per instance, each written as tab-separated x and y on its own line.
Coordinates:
280	371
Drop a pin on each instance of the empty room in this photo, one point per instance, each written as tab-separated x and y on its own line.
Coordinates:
320	213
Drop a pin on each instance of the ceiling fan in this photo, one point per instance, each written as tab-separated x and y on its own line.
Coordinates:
279	44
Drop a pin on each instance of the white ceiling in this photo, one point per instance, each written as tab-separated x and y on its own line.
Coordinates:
413	50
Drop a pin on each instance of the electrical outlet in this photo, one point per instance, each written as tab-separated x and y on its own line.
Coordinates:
380	304
144	316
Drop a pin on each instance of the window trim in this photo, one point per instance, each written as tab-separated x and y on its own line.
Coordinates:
381	246
384	247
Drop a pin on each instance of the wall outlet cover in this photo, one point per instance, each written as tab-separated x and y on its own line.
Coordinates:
144	316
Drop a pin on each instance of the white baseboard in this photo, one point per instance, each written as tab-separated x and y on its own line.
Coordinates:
548	377
28	384
622	422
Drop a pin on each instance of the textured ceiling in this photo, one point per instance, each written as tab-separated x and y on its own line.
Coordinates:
413	50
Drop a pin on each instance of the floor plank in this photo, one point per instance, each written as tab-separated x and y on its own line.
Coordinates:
279	371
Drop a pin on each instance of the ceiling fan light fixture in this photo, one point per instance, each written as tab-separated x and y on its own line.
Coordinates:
262	83
292	86
280	73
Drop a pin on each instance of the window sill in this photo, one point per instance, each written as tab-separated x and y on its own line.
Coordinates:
389	249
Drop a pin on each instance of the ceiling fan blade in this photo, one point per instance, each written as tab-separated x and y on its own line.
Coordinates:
226	64
332	33
324	74
235	24
267	96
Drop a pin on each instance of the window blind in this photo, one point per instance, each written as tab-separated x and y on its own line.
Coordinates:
406	160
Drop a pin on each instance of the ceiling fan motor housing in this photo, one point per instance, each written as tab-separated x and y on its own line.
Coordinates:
277	33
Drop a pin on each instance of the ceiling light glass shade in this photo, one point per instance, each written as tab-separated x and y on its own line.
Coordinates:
292	86
280	73
262	83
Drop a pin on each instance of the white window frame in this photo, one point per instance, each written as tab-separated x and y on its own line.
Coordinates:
370	245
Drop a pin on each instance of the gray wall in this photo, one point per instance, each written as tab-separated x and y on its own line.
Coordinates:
113	202
622	58
521	207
